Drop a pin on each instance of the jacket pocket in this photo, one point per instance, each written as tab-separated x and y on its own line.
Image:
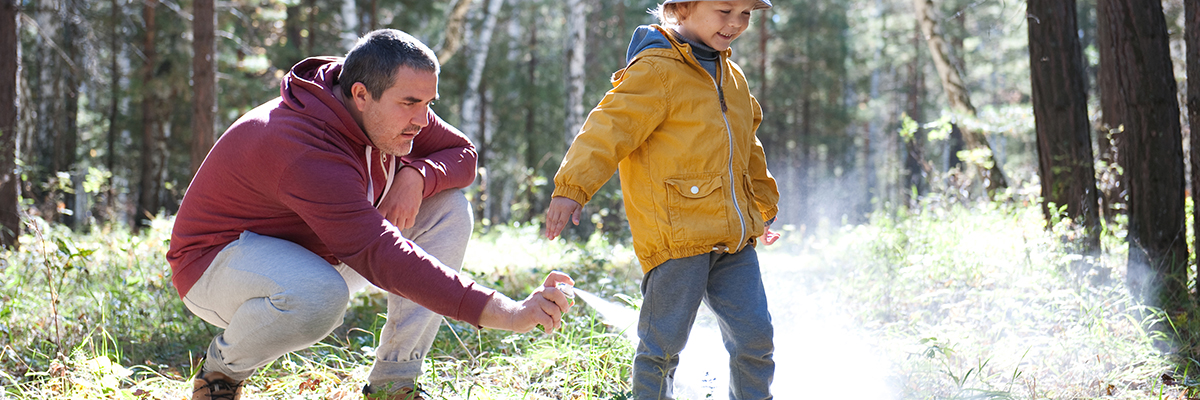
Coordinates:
697	208
756	222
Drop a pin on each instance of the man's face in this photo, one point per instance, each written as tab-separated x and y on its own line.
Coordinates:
393	120
717	23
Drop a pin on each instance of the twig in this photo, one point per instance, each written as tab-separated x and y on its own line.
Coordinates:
460	342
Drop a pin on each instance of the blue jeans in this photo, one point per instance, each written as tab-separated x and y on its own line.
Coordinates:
731	285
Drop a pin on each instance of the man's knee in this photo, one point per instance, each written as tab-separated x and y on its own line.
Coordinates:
444	226
451	211
314	310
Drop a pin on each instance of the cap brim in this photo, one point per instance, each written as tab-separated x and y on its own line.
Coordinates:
759	5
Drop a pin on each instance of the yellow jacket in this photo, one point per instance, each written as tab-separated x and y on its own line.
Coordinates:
694	177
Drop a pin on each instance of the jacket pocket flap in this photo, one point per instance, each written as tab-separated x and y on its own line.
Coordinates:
695	188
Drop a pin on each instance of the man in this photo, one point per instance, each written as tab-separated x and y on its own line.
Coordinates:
345	180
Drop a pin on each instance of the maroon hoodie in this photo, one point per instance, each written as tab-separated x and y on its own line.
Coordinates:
295	168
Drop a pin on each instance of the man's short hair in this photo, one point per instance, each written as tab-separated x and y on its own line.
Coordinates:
376	57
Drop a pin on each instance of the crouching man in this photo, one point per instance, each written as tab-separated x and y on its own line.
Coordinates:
348	179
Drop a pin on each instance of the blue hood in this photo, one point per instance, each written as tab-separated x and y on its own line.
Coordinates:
646	37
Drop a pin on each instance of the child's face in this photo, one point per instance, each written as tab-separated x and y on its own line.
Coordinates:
716	23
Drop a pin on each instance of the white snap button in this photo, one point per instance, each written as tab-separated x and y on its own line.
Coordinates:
695	190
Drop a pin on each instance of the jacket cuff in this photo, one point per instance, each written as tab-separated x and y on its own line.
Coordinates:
572	192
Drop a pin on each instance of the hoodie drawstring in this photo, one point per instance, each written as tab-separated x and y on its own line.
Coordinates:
389	171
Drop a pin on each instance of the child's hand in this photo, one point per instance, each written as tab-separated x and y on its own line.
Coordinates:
561	208
769	237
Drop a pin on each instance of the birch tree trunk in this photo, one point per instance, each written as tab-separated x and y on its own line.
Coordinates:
204	80
1065	162
10	217
576	57
349	14
474	116
956	91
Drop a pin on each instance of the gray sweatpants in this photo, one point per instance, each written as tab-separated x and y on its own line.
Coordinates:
731	285
273	296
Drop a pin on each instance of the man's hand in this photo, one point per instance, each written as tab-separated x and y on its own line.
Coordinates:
545	307
401	203
561	209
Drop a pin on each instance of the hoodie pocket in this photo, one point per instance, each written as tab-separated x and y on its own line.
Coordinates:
696	207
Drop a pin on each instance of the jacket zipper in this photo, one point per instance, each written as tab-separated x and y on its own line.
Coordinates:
729	134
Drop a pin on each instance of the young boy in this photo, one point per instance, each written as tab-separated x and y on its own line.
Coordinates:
679	123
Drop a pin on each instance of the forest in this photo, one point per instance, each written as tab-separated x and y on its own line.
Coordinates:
1081	110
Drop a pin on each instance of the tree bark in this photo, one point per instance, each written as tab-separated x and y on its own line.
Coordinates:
1112	118
1065	162
455	29
204	80
10	216
956	91
148	192
1151	153
576	57
1192	37
474	121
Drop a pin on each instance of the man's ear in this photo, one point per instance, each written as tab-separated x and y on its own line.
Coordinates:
360	95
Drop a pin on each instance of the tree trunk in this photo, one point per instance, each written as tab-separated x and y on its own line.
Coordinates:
47	73
204	81
1192	37
1112	118
114	88
455	28
915	164
312	28
1060	113
349	14
764	37
67	146
533	141
372	15
150	173
10	206
576	57
474	123
956	91
1151	152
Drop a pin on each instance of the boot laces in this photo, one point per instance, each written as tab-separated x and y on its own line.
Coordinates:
220	389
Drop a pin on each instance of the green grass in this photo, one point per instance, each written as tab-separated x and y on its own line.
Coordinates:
958	302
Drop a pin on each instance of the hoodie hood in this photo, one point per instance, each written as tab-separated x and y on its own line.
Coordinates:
308	90
646	37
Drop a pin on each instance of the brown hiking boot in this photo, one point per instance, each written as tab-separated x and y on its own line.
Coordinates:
405	393
215	385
